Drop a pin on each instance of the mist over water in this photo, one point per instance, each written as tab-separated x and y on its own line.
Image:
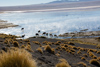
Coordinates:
51	22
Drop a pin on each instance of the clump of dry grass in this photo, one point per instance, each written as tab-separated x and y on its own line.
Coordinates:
98	52
17	58
71	43
63	63
40	50
59	42
83	58
98	58
56	43
94	62
26	40
85	55
49	49
16	44
5	49
36	42
6	41
58	54
28	47
23	46
98	46
79	52
28	43
82	63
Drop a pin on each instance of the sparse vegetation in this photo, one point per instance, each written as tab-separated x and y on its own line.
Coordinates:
18	58
94	62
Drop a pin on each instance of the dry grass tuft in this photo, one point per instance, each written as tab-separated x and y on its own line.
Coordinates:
58	54
16	44
28	47
40	50
85	55
71	43
98	52
26	40
98	58
49	49
18	58
98	46
36	42
23	46
83	58
94	62
63	63
6	41
82	63
79	52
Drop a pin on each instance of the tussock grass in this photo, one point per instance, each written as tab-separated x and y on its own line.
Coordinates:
71	43
79	52
16	44
94	62
40	50
83	58
63	63
23	46
85	55
82	63
17	58
26	40
36	42
28	47
98	52
98	46
49	49
6	41
58	54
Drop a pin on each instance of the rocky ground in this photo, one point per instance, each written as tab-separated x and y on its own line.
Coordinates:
49	52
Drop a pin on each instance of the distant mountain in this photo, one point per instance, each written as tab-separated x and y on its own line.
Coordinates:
60	1
54	6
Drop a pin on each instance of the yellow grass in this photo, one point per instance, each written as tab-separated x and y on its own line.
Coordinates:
63	63
40	50
17	58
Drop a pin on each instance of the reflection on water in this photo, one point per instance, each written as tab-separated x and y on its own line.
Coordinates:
51	22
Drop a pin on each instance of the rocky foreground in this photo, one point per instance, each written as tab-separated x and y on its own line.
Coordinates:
56	52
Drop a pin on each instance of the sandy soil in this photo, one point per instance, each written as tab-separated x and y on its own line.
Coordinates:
71	50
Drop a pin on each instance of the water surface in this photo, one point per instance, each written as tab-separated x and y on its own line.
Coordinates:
51	22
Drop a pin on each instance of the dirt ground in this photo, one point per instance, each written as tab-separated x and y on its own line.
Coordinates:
47	52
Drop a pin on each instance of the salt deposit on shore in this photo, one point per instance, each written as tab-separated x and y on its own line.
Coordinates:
4	24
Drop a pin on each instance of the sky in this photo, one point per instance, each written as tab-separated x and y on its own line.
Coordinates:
22	2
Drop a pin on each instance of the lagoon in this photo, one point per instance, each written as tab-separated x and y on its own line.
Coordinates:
58	22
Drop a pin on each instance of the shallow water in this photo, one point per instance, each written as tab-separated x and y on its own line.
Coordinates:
51	22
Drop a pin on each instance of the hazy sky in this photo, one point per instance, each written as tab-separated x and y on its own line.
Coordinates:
22	2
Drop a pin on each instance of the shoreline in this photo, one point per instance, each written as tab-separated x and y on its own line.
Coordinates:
4	24
81	34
